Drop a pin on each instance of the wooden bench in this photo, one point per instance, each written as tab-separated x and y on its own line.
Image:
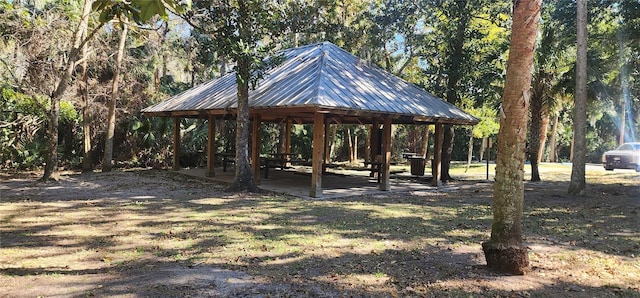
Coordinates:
227	159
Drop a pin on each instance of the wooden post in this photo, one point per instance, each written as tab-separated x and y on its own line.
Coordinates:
211	146
437	156
375	141
255	148
287	141
176	143
318	152
385	183
326	159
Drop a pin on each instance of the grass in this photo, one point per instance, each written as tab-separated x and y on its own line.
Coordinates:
378	244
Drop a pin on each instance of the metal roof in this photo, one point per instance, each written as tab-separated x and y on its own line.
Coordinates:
325	77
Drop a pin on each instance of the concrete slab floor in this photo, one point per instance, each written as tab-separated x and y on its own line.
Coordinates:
337	183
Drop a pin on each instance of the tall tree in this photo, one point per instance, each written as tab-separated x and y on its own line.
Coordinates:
542	102
463	58
55	97
578	183
240	29
140	11
505	250
84	89
111	119
461	17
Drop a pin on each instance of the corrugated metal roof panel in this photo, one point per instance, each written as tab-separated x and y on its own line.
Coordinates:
320	75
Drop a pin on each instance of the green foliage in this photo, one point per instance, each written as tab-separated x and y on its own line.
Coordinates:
301	138
21	135
68	113
489	123
141	11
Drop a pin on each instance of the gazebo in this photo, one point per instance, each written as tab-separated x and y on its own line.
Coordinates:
317	84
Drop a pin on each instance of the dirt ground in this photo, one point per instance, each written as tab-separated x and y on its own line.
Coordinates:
151	233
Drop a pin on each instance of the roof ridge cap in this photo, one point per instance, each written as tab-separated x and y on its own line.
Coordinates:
320	75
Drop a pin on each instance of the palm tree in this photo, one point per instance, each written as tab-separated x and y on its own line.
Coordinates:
505	250
578	184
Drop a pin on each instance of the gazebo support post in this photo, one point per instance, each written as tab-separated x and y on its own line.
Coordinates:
287	141
385	183
375	146
437	156
211	146
255	148
176	143
317	157
326	159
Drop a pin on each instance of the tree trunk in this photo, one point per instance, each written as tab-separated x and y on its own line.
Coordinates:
535	131
332	141
573	142
243	180
347	131
355	147
425	142
223	66
111	126
543	136
505	251
54	114
367	145
482	147
470	151
553	153
447	150
454	70
577	185
86	114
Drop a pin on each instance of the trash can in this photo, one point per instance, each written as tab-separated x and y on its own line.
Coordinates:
417	166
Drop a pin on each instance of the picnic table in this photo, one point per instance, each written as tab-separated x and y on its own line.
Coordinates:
276	160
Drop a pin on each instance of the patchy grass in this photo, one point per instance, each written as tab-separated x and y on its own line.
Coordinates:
97	234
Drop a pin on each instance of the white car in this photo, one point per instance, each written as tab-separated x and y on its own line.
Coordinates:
627	156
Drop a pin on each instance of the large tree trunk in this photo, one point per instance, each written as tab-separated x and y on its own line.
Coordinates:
54	114
111	126
578	183
243	180
505	251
